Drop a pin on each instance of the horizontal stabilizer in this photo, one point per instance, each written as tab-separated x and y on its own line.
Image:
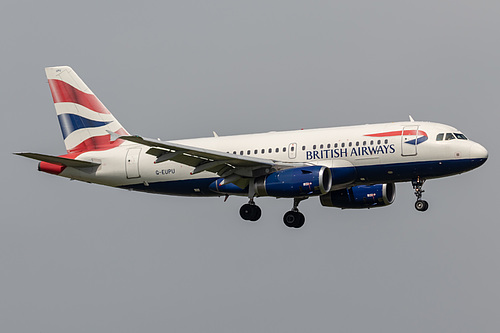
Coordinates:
59	160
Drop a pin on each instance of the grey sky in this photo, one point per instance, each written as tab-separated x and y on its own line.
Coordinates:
76	257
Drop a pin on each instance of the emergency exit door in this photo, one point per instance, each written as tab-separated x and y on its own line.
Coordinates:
292	150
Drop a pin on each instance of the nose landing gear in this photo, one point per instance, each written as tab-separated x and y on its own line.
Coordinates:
420	205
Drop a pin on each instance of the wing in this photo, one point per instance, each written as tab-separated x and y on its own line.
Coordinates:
233	168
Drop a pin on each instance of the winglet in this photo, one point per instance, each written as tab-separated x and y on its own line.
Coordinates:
411	119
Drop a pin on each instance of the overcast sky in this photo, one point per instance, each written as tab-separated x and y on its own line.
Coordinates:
76	257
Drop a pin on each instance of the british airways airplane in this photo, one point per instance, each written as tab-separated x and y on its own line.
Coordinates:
346	167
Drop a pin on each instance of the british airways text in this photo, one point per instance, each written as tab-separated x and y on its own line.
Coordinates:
349	152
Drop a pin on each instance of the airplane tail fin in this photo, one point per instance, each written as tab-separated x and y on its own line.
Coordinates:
85	122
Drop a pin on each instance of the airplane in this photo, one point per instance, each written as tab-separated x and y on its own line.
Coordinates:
350	167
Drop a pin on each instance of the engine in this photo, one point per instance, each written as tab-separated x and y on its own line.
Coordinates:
295	182
362	196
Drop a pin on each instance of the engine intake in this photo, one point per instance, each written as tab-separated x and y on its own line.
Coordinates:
295	182
362	196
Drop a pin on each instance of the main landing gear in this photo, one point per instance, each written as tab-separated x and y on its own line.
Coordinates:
250	211
420	205
292	218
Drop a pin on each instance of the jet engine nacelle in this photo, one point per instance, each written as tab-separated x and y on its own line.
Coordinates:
295	182
363	196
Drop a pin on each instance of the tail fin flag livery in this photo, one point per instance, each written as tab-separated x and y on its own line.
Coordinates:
83	118
350	167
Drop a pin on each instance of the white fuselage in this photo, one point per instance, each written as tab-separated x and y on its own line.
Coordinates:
373	156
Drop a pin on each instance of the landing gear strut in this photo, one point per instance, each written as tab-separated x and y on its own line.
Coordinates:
294	218
420	205
250	211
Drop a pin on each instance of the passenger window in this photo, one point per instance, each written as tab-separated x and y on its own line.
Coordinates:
440	137
378	142
263	151
270	150
329	146
450	136
303	147
336	145
364	143
343	144
460	136
350	144
255	151
314	146
386	141
357	143
371	142
248	152
284	149
277	150
292	148
241	152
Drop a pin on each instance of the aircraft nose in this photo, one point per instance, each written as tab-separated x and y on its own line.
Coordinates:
478	155
478	152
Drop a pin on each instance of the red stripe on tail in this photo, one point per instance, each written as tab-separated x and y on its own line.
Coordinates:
101	142
63	92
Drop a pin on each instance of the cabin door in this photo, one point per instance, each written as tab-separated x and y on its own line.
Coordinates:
409	140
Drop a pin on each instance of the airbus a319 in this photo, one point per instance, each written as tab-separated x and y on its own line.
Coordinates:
345	167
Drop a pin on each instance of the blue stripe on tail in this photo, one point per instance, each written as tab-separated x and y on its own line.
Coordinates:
71	122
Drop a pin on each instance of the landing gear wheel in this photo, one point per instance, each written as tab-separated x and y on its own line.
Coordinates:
258	213
421	205
294	219
250	212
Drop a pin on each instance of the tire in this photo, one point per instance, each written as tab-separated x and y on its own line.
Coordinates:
294	219
250	212
421	205
301	219
257	213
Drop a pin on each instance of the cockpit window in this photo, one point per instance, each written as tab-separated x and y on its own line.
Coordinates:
460	136
440	137
450	136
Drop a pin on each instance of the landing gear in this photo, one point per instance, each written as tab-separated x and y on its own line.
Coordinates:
250	211
294	218
420	205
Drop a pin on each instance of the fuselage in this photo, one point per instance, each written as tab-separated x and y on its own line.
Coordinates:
357	155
